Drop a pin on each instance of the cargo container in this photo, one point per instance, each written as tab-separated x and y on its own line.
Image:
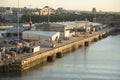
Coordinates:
67	33
34	49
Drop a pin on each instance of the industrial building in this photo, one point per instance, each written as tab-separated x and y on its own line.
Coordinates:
13	32
97	26
40	35
66	29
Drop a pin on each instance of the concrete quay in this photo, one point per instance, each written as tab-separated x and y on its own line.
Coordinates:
50	54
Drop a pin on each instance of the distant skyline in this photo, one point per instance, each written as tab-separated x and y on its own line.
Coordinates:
87	5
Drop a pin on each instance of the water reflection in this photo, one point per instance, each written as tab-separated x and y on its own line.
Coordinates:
85	56
99	61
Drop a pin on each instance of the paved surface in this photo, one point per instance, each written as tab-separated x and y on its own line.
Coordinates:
43	49
64	42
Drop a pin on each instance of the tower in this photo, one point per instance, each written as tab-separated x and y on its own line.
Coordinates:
94	10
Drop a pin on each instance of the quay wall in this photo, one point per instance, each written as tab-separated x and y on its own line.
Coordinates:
51	55
43	57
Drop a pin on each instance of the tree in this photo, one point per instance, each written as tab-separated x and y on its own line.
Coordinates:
66	17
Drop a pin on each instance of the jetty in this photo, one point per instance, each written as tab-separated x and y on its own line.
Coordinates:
45	55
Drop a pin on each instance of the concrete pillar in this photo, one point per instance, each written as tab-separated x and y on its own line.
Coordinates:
86	43
74	47
59	55
80	45
95	40
92	40
100	37
104	36
83	44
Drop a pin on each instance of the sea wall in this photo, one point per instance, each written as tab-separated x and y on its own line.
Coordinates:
51	55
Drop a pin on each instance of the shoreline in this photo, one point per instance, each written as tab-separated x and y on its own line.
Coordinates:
51	54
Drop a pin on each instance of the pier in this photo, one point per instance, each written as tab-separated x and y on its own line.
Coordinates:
50	54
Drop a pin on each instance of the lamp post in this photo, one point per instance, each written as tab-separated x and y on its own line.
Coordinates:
48	15
49	10
30	22
85	27
30	12
18	20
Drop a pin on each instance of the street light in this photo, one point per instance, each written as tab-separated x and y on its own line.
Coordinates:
86	21
30	12
30	22
18	20
48	16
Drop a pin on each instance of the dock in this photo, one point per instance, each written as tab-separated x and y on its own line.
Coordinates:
50	54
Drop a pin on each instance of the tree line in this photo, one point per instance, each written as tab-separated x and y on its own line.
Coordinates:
66	17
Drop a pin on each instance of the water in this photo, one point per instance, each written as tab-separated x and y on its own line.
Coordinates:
99	61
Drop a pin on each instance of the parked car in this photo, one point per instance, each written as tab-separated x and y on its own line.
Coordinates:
17	50
46	44
15	41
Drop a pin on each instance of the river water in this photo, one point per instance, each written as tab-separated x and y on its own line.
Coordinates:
99	61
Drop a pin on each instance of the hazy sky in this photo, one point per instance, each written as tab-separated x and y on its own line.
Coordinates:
104	5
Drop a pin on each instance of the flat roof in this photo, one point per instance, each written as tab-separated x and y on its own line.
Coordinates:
45	33
70	23
14	30
95	24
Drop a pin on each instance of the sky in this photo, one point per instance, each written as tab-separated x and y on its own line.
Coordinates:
87	5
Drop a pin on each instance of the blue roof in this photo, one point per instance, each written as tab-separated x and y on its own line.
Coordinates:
14	30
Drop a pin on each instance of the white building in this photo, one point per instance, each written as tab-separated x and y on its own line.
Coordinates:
40	35
96	26
8	10
66	29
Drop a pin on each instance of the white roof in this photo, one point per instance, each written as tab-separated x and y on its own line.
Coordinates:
14	30
43	33
1	33
66	23
95	24
71	23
